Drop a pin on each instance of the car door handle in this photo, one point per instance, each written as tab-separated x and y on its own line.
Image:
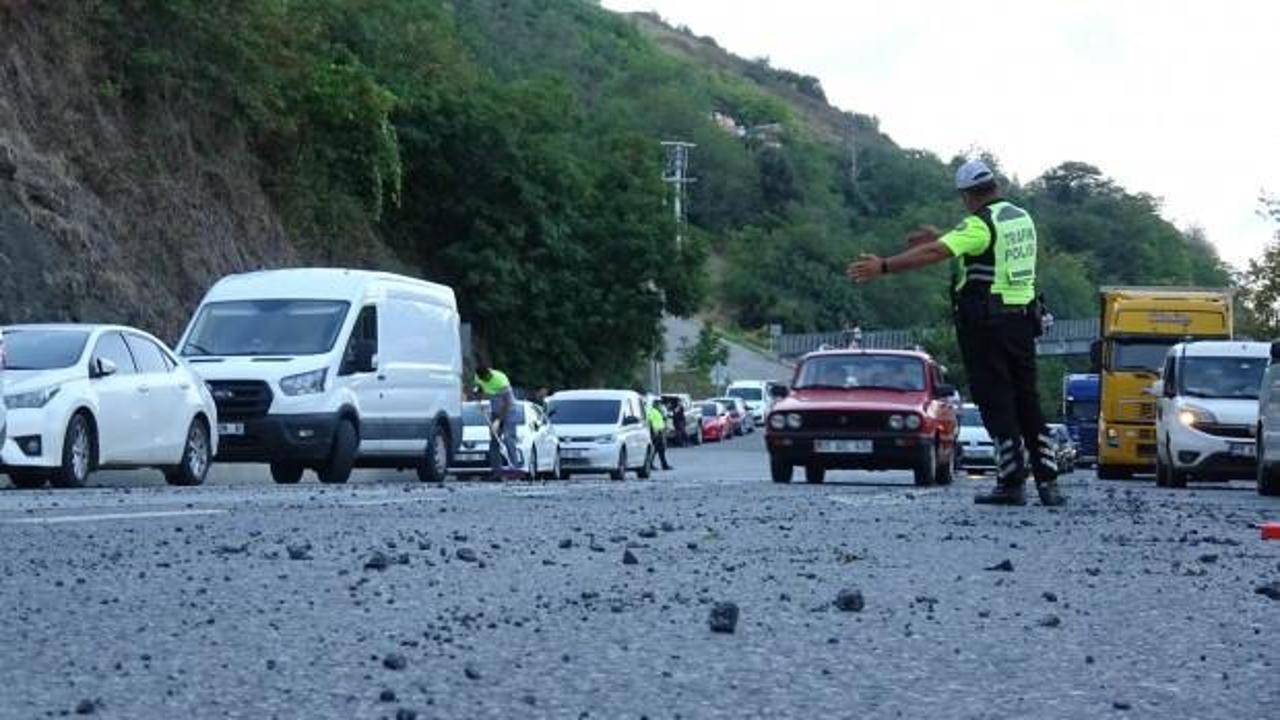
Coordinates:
382	377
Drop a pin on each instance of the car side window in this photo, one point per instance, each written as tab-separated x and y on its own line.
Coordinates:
149	357
364	332
111	347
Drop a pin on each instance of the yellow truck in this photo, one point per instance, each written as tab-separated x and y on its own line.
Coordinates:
1139	325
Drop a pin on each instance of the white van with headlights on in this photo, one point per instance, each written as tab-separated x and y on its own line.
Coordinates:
1207	411
330	370
601	431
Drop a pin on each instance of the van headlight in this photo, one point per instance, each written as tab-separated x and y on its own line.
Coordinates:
30	400
308	383
1190	416
794	421
778	421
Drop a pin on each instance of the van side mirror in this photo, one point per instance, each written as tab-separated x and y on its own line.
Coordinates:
1095	356
101	367
944	392
630	420
362	358
779	392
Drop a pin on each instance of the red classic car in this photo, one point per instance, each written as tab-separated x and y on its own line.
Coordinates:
864	410
717	424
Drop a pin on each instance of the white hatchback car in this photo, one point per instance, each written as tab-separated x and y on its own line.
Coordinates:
1207	413
601	431
977	452
535	439
84	397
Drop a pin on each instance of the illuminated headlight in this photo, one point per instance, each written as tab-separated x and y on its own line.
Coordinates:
913	422
29	400
794	421
896	422
1191	415
607	439
308	383
778	422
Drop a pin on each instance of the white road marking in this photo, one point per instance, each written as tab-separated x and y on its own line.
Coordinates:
61	519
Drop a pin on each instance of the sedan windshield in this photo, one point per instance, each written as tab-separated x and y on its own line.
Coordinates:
266	327
970	417
747	393
43	349
887	372
1223	377
584	412
710	410
1083	410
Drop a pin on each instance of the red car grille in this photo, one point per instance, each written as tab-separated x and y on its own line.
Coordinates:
845	420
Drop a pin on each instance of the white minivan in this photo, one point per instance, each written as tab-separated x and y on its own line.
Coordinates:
1207	411
755	395
329	370
601	431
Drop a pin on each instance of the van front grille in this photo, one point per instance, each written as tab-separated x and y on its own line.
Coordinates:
240	399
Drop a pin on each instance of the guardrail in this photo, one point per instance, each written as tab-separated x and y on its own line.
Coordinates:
1065	337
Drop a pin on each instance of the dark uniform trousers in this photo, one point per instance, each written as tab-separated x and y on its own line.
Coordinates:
999	351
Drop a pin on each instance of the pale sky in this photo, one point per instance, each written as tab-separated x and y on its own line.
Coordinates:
1174	98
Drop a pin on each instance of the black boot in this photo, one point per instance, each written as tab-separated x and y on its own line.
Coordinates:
1005	493
1050	495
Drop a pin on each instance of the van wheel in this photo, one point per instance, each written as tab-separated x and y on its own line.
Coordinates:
1179	480
342	457
1162	471
28	479
77	454
781	470
286	473
815	474
620	472
194	466
435	464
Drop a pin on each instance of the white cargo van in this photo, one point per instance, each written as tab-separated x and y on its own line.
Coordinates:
329	370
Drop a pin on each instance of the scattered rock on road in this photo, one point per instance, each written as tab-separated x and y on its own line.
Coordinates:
377	561
466	554
1050	621
629	558
299	552
471	672
406	714
1270	590
394	661
1002	566
88	707
1050	597
724	618
850	601
648	533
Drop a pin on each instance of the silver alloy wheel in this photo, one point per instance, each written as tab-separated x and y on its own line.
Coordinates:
80	448
197	450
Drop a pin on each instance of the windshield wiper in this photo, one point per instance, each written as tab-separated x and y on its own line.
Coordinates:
196	347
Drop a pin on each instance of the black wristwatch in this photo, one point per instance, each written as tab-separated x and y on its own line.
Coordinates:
884	266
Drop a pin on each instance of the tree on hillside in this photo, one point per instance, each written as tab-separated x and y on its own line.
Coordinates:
706	352
1261	281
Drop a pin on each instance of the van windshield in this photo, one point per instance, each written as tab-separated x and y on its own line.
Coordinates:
266	327
1223	377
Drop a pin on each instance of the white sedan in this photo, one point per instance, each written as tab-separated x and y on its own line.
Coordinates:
536	442
88	397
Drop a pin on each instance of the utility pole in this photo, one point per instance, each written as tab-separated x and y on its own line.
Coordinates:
677	176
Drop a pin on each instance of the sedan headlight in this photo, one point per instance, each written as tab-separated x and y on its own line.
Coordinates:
778	421
794	421
913	422
28	400
896	422
1190	415
308	383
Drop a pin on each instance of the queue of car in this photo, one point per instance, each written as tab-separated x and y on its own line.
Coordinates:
320	370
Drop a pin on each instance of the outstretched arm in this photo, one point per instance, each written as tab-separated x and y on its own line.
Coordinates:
924	254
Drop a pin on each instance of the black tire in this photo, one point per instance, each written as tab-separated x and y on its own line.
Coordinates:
196	457
1268	473
946	470
815	474
780	470
342	456
434	466
925	472
78	454
285	473
620	472
28	479
1179	480
646	471
1162	471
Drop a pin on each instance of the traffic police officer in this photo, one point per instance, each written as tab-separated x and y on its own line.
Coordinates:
495	387
997	321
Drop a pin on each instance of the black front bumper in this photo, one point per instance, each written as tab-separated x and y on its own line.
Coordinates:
889	451
1222	466
279	438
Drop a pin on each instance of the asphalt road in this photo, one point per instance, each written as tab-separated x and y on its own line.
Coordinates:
243	599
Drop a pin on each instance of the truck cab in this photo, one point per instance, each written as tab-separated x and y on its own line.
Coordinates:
1080	415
